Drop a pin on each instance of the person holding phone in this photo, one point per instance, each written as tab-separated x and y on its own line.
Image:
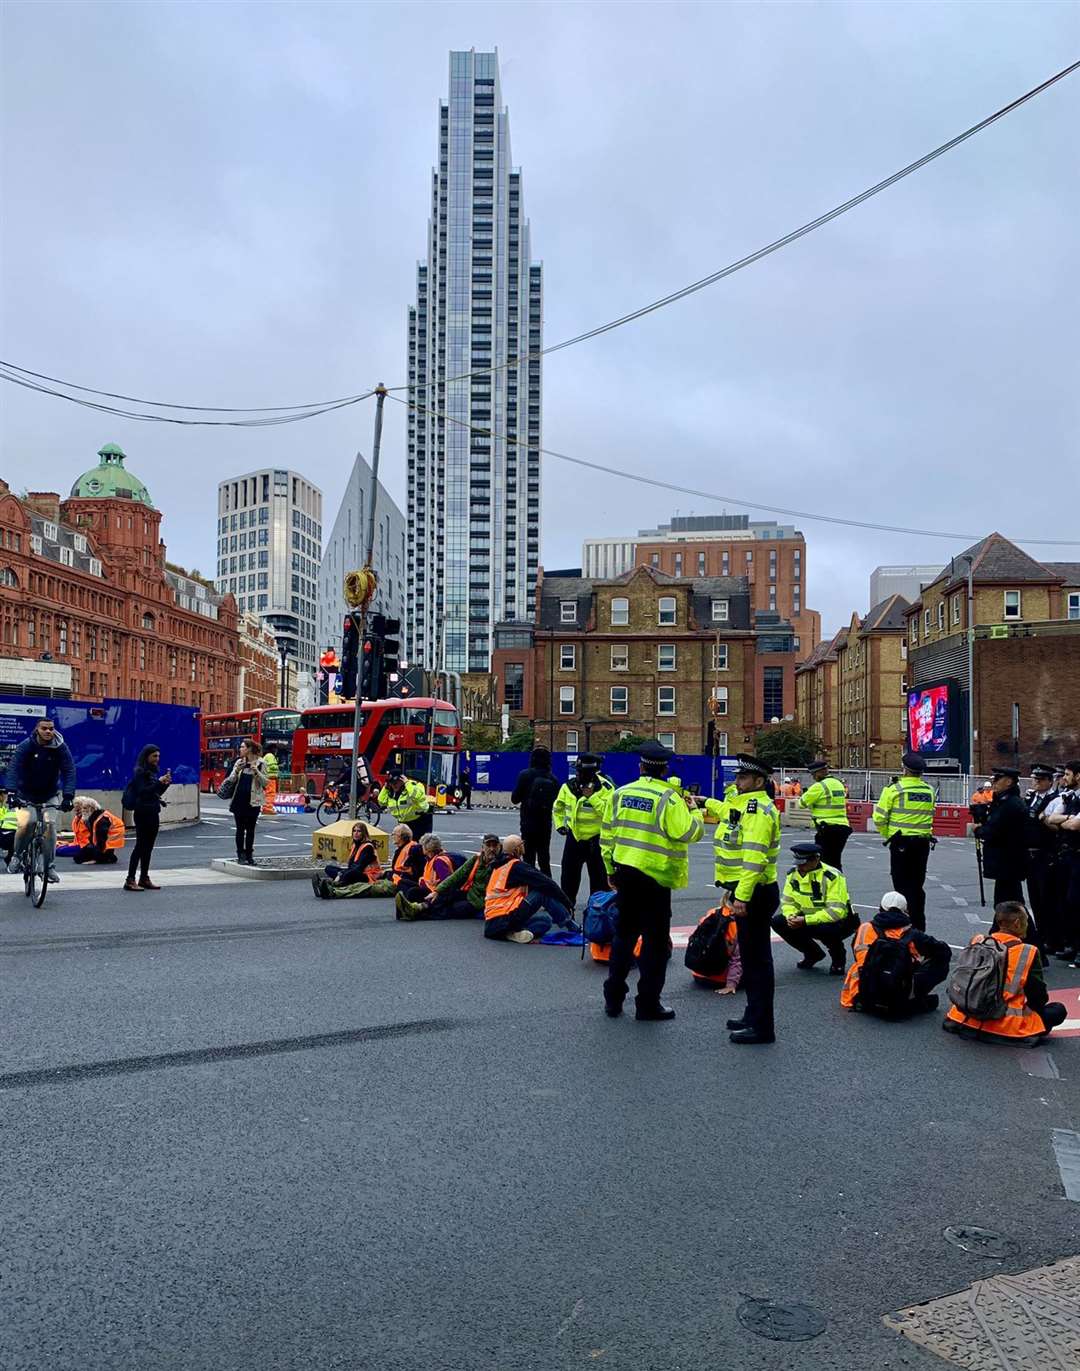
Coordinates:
245	787
143	798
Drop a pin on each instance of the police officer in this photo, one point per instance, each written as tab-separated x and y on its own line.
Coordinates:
1042	845
1004	837
1063	817
904	816
746	847
815	910
407	802
826	800
579	814
647	831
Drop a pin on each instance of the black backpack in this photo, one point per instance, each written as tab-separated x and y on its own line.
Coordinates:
706	951
886	977
541	798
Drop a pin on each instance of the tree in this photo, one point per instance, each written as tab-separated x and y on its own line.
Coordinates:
521	740
478	737
787	745
631	743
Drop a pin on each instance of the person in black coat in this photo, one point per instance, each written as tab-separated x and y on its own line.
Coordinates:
535	791
143	798
1004	836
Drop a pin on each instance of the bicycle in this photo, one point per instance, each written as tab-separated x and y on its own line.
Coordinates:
335	801
36	859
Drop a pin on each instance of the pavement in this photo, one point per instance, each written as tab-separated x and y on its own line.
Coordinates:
240	1127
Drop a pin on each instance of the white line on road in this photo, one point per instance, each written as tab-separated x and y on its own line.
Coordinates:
959	901
1067	1153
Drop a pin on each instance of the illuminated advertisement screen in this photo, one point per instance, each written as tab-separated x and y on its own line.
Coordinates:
929	718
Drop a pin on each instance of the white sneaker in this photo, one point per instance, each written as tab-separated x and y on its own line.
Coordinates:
521	936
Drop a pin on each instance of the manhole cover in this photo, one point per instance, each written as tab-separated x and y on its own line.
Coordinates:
780	1322
981	1240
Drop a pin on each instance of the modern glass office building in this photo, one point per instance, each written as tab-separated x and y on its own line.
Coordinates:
474	434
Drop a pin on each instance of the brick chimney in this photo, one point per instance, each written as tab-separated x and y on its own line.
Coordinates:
44	502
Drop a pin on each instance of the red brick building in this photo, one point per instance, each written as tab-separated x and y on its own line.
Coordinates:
84	582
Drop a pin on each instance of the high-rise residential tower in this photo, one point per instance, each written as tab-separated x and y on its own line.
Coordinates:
269	547
474	492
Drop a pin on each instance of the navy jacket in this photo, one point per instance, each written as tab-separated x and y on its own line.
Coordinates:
38	770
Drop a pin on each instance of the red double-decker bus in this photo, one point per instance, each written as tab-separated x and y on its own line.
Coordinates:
421	736
220	736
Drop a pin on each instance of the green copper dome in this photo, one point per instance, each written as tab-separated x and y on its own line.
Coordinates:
109	481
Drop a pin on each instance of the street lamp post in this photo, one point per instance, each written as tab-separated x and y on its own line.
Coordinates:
967	557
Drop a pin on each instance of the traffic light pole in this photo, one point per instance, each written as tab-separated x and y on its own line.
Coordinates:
380	398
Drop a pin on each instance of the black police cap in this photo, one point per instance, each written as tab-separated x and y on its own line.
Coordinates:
806	849
1010	771
1043	772
913	762
655	751
752	765
819	765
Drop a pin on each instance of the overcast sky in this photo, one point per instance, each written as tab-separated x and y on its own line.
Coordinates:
224	204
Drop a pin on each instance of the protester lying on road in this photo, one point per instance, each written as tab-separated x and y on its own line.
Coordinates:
997	988
362	866
896	965
406	865
98	834
461	894
521	903
437	866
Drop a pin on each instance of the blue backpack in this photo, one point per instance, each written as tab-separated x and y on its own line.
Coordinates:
600	914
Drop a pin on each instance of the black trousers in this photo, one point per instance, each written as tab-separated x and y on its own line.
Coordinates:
146	831
466	795
577	854
811	939
94	856
245	819
755	949
1008	888
346	875
831	839
451	906
420	826
1067	893
537	840
907	869
1047	910
645	913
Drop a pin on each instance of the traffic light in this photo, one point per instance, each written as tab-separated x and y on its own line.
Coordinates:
391	648
369	668
350	638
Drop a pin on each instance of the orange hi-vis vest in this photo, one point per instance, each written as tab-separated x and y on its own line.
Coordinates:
866	936
115	839
432	876
402	857
1019	1021
500	899
731	940
373	870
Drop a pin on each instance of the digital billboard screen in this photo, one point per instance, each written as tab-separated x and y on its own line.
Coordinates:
930	718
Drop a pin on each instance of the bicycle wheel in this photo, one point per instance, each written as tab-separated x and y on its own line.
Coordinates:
324	813
373	811
41	875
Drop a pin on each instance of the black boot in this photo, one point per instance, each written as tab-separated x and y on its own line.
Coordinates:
657	1013
736	1024
750	1037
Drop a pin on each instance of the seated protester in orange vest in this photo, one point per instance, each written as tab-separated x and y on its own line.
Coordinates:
437	866
406	866
896	965
99	834
815	913
362	865
521	904
997	989
712	957
461	894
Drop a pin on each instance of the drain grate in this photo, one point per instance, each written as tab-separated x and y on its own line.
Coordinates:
780	1322
981	1240
1028	1322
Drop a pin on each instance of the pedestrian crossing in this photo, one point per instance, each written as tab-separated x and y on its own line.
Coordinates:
680	936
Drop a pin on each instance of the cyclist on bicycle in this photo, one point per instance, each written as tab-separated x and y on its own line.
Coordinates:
41	767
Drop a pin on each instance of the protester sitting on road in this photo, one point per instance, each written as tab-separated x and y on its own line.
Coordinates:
815	913
895	980
461	894
1026	1013
362	865
98	834
406	866
521	903
406	801
40	767
437	866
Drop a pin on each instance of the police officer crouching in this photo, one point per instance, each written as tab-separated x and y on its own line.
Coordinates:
647	831
815	913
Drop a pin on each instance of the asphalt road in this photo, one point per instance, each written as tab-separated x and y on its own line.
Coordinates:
243	1128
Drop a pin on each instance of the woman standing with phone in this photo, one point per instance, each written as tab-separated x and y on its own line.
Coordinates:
143	798
245	789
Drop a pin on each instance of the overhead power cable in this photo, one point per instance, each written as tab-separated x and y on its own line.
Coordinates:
169	404
266	421
769	248
625	475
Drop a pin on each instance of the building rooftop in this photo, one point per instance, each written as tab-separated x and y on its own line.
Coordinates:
109	480
886	617
1068	571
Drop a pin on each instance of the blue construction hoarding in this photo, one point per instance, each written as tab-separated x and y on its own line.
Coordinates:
105	738
499	770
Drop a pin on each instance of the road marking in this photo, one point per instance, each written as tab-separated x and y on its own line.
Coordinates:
1067	1153
959	901
1071	1000
680	935
947	887
178	875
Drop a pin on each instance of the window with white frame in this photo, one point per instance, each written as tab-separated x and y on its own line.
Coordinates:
665	699
620	699
903	685
720	695
1073	608
914	629
719	656
1012	604
666	740
620	658
903	649
719	611
571	740
665	609
956	609
566	699
941	614
926	622
568	611
665	657
620	611
721	742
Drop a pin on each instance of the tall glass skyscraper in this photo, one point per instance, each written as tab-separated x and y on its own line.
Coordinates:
474	493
